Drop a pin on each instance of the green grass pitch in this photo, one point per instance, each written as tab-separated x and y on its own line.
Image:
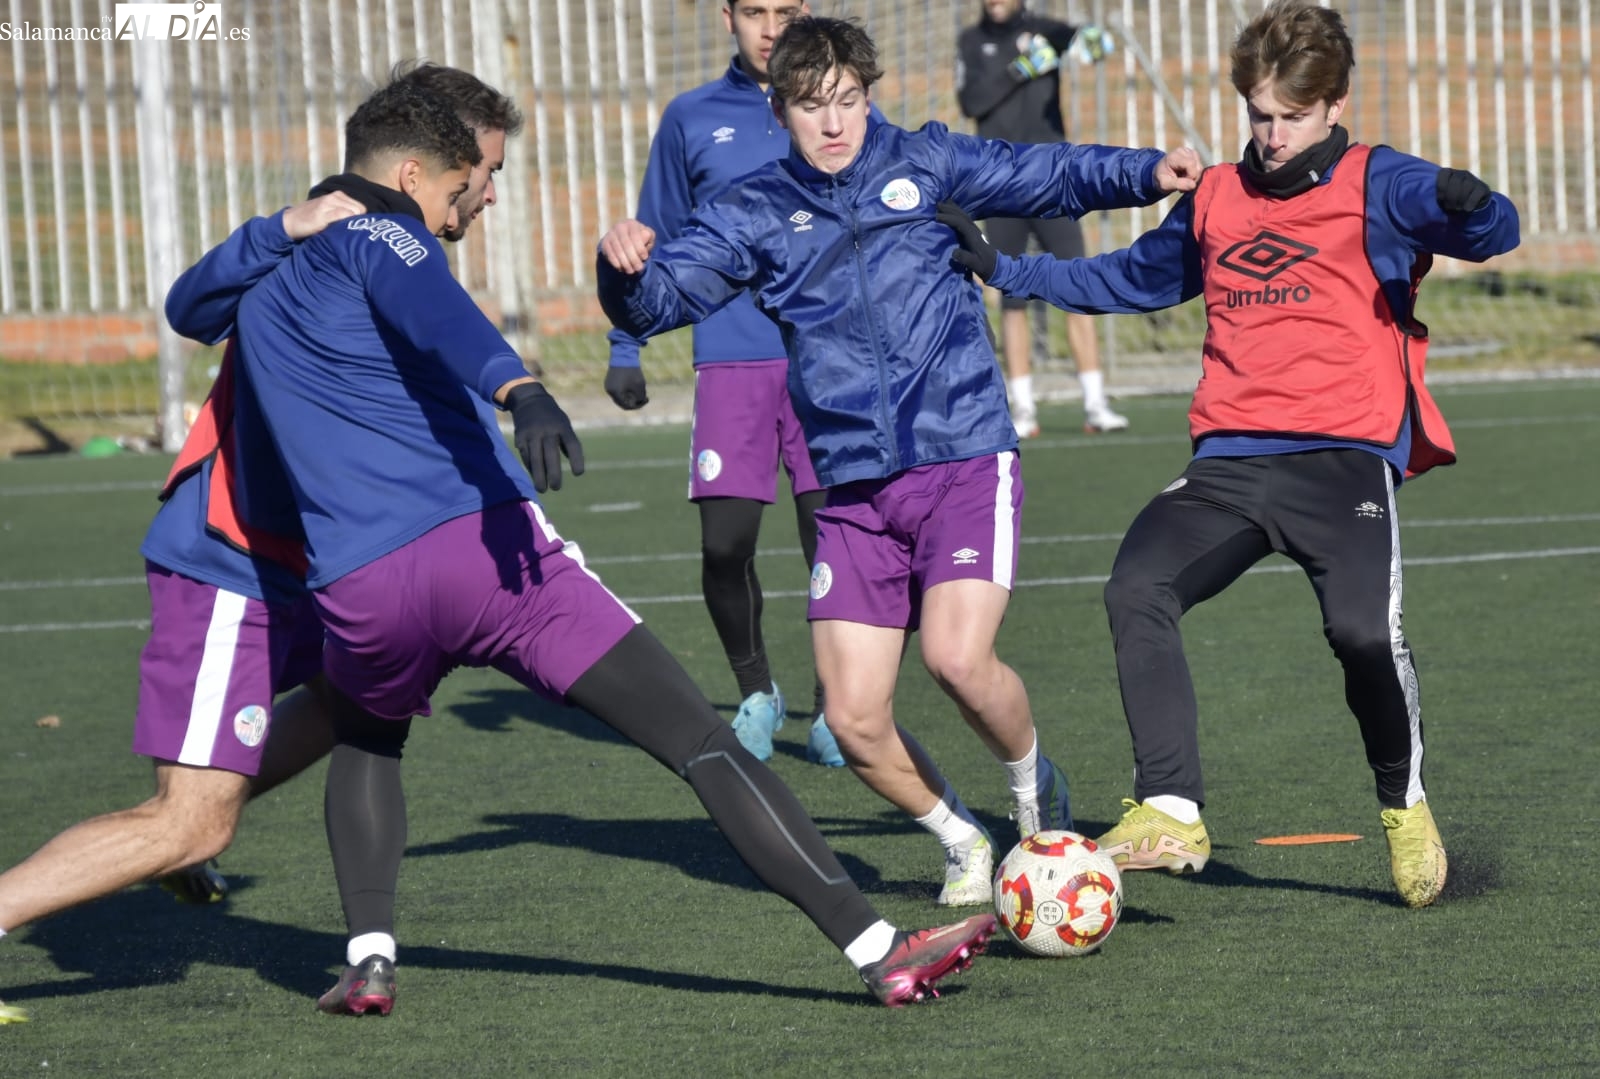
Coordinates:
566	909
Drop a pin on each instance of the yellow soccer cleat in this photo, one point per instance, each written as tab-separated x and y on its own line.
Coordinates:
1416	854
197	884
10	1013
1146	838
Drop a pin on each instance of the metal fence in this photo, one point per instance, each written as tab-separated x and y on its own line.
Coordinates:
121	161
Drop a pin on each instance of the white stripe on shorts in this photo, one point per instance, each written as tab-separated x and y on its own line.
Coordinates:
211	683
1005	550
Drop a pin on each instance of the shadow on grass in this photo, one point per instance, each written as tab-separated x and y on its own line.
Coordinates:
497	709
158	942
1472	873
693	846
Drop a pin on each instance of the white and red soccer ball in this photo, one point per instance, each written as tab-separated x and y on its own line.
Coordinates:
1057	893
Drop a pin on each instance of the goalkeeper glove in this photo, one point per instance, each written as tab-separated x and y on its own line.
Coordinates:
1091	44
1040	59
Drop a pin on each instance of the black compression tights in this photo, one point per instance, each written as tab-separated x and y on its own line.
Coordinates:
640	691
729	529
365	811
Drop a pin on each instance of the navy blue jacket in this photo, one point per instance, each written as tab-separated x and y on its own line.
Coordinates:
368	372
891	360
709	137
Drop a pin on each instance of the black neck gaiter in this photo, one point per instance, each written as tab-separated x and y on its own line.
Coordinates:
1301	172
375	197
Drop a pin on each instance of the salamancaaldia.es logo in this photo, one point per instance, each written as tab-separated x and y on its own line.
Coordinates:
197	20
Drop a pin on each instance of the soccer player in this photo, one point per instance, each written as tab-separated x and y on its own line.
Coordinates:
232	624
744	424
1310	411
373	378
1008	79
897	387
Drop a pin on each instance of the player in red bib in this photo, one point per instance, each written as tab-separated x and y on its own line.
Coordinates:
1311	409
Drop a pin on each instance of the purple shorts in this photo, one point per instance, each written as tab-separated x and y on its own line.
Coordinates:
498	588
744	425
881	544
213	663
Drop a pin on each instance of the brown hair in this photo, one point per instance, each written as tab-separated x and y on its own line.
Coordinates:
1303	47
405	118
482	106
811	47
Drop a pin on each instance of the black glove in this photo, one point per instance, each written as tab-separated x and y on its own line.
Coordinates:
1460	192
626	387
542	433
975	253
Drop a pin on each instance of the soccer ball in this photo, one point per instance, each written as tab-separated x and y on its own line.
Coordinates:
1057	893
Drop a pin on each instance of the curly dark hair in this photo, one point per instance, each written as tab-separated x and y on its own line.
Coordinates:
482	106
811	48
405	118
1303	47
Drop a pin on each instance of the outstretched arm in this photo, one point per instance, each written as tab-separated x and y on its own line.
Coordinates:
202	301
1161	269
1447	212
645	290
431	312
993	178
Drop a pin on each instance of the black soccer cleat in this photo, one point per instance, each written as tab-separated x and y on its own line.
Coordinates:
363	989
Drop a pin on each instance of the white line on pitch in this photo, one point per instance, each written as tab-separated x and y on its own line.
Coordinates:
1039	582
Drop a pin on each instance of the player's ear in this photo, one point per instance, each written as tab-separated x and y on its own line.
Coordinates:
1336	110
777	111
408	175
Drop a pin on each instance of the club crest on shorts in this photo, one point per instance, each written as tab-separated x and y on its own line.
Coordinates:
821	580
901	194
708	465
250	725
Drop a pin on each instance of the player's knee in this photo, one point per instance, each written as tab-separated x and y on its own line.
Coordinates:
196	821
1130	593
955	667
1360	641
708	758
727	553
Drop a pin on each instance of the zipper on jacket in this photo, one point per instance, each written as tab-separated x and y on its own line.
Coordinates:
875	332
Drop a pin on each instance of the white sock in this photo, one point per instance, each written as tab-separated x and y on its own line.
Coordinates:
872	945
952	822
369	944
1024	774
2	932
1021	389
1180	809
1094	389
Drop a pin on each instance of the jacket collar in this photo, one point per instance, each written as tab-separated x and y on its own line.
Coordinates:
737	79
375	197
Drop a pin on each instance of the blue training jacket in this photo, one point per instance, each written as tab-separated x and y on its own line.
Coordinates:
891	361
709	137
368	372
205	298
